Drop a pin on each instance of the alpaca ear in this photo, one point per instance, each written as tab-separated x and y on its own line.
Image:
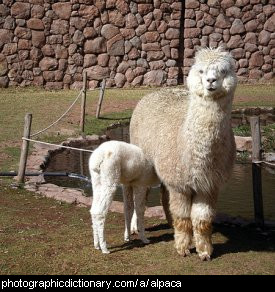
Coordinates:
230	82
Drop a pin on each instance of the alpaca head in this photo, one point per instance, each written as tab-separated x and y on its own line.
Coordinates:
213	74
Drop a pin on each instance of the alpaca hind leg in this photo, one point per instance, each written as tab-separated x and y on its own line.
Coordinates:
180	206
202	214
164	195
128	210
140	194
99	212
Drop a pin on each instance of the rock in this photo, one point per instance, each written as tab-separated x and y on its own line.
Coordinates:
109	30
89	32
250	38
243	143
62	10
21	32
95	46
151	47
235	42
256	60
172	33
116	18
48	64
237	27
152	36
89	60
3	65
4	81
120	80
21	10
59	26
137	81
35	23
103	60
5	37
89	12
222	21
38	38
37	11
192	4
154	77
270	24
192	32
264	37
97	72
144	9
115	46
251	25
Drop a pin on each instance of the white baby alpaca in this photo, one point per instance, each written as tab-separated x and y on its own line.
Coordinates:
111	164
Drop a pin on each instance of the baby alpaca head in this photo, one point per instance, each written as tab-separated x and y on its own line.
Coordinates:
213	74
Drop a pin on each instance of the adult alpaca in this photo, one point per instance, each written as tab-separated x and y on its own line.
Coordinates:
187	135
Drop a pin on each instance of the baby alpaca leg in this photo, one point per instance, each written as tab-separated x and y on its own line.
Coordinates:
128	210
202	215
140	200
100	206
180	206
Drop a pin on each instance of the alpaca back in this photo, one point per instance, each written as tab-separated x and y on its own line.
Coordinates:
124	162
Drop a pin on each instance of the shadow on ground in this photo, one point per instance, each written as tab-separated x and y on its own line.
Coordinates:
226	239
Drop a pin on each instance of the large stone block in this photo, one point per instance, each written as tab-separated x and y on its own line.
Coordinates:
95	46
115	46
97	72
21	10
154	77
48	64
62	10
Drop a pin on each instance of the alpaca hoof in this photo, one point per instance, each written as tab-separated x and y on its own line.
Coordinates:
126	239
105	251
134	231
205	257
97	247
145	241
184	253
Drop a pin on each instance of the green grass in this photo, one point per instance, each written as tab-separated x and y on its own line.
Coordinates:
43	236
98	126
242	130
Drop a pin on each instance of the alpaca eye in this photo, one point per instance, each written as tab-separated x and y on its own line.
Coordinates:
201	71
223	72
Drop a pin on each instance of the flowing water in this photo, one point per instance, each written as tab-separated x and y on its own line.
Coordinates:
235	199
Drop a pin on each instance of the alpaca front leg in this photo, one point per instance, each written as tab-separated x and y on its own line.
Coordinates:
180	206
202	214
128	210
140	200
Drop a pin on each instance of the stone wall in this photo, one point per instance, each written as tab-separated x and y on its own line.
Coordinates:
245	27
144	42
50	44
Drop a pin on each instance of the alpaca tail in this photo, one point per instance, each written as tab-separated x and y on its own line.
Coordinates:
95	161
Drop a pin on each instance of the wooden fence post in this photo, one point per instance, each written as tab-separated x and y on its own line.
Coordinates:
24	149
101	95
83	102
256	170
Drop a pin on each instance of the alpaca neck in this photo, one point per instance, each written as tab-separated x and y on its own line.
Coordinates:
207	122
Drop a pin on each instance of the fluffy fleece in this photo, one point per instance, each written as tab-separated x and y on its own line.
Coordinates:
111	164
187	136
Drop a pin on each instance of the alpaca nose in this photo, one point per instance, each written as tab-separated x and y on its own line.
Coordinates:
211	80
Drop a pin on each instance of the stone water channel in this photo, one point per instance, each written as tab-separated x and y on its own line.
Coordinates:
236	198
